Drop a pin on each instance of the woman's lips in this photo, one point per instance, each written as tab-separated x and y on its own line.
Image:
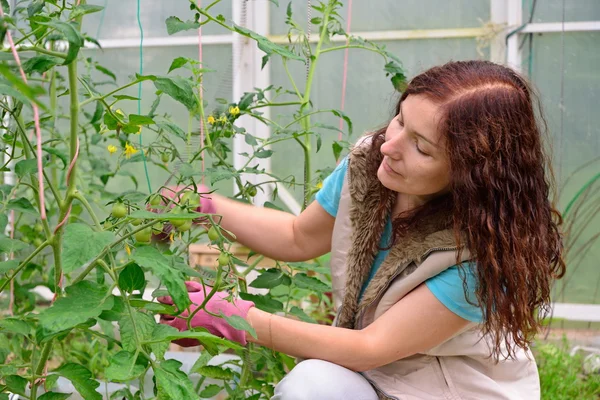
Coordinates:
388	169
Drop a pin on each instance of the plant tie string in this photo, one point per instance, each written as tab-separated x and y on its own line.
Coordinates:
345	73
201	91
36	118
139	21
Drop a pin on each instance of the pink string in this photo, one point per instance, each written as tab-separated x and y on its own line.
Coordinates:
73	161
198	3
345	73
36	118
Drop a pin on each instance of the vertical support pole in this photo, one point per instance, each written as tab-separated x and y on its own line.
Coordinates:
247	75
515	20
499	17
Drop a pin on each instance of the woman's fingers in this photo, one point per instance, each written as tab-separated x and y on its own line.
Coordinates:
195	286
165	300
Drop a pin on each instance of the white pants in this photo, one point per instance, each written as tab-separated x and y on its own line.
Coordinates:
322	380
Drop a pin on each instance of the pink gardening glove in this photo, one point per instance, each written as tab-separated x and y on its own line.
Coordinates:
216	305
206	206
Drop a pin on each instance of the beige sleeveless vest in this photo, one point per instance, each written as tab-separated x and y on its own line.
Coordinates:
461	367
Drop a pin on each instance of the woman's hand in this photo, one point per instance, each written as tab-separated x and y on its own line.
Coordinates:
217	305
199	201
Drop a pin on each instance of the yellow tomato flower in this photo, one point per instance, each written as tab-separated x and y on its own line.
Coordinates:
320	185
223	119
129	150
139	130
127	249
234	110
111	148
119	112
211	120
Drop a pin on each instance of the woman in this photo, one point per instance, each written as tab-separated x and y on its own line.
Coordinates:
444	247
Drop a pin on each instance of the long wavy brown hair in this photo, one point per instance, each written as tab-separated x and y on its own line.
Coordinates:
499	198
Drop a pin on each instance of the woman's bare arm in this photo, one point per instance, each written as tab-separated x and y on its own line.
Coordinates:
277	234
415	324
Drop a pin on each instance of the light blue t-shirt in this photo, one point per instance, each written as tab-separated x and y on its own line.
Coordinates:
447	286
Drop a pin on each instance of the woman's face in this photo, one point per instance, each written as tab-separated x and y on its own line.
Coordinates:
415	162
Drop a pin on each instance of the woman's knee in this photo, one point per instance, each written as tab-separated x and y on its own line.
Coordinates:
318	379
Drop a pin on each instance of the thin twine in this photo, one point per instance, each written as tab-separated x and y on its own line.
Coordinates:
201	91
345	73
139	21
36	118
308	18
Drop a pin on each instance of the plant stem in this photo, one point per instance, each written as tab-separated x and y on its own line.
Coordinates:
91	99
42	51
77	195
24	263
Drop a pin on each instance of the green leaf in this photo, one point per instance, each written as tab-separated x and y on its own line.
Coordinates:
35	7
203	360
54	396
83	300
239	323
266	45
6	266
140	119
178	63
8	245
81	244
125	97
132	278
150	258
298	312
16	384
210	391
106	72
84	9
21	204
337	150
167	333
82	379
304	281
215	372
159	349
123	367
175	25
180	89
263	302
3	222
346	118
71	34
263	153
12	83
40	64
156	308
144	325
62	156
172	128
14	325
271	278
25	167
173	382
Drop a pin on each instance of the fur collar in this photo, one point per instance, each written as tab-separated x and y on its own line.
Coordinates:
368	219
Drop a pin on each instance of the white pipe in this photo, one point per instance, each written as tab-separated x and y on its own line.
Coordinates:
515	20
549	27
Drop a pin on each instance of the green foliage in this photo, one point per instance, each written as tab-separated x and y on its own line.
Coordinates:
562	376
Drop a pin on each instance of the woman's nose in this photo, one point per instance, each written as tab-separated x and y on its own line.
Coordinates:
392	147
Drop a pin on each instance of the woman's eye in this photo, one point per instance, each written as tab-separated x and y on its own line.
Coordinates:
419	149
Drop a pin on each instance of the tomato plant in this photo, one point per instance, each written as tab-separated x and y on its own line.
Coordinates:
93	249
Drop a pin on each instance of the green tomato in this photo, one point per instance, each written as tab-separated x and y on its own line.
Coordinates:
39	228
165	157
26	239
186	226
155	200
158	227
213	234
107	225
37	242
119	210
251	191
143	236
190	198
136	222
177	222
223	259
